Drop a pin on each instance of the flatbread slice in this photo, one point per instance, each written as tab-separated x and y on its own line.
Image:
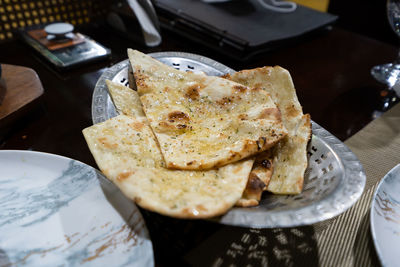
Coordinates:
290	160
126	101
290	155
126	151
202	122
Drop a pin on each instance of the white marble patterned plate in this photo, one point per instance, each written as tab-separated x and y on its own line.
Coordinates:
55	211
385	218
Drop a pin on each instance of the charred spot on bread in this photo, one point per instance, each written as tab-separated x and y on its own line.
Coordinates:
178	115
192	92
255	184
266	163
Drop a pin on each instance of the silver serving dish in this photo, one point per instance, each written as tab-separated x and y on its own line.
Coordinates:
334	179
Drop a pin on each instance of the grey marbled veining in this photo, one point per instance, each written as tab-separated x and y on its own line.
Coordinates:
41	203
385	218
55	211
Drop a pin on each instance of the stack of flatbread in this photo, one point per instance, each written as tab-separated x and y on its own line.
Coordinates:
189	145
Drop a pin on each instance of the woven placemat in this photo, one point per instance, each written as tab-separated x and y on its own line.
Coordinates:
346	240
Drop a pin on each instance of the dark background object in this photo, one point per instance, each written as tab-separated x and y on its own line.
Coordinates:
19	14
239	29
20	92
122	18
364	17
64	54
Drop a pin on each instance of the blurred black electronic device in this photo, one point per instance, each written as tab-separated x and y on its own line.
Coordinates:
62	47
238	28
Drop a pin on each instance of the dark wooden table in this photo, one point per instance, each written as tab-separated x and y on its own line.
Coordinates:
331	72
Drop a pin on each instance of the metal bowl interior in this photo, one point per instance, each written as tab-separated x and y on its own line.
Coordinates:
334	178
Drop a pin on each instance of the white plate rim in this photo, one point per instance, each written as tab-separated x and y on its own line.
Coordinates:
372	215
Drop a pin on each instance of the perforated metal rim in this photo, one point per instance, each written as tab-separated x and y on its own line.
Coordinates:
349	174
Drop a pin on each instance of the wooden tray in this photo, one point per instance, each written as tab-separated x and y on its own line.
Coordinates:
19	87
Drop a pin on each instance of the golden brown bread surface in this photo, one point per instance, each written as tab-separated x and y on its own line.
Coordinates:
202	122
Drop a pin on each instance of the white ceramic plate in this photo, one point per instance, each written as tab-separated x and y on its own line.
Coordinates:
55	211
385	218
